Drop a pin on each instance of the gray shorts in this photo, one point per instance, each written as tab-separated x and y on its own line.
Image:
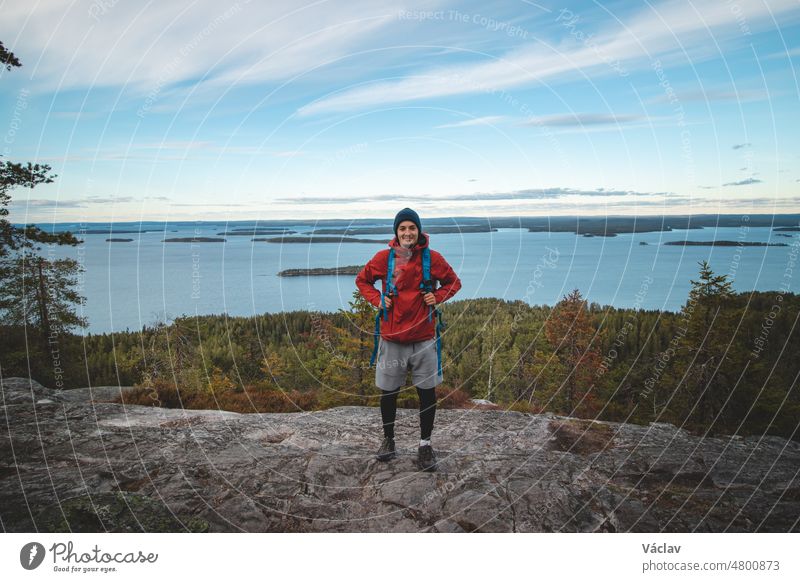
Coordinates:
395	359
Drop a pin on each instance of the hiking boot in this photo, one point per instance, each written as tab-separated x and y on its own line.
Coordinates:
426	460
386	452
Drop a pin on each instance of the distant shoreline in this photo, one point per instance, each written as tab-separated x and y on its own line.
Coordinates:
256	232
722	243
388	230
580	225
320	239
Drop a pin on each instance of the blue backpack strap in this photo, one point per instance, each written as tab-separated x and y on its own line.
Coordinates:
390	289
439	326
426	286
383	312
426	264
377	335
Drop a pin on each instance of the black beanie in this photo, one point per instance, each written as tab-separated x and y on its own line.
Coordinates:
407	214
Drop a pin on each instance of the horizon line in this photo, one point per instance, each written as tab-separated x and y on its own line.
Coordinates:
445	217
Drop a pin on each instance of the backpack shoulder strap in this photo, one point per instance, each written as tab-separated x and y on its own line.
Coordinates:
426	268
390	288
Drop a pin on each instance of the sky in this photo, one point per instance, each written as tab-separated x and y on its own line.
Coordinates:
351	109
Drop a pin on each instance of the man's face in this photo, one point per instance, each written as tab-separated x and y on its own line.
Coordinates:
407	234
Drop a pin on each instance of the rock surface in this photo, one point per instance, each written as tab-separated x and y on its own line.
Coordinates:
72	464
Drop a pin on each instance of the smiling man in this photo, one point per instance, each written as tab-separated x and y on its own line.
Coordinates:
408	319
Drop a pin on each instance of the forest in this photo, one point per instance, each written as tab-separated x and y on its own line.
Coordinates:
725	364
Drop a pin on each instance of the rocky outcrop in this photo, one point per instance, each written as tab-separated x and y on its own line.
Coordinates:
72	463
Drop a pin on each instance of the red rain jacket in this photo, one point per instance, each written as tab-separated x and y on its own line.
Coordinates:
408	315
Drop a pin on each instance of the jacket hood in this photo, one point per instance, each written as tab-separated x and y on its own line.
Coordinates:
422	242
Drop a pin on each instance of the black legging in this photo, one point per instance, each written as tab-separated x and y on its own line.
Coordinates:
427	411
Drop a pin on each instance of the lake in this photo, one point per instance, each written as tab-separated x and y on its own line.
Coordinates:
131	284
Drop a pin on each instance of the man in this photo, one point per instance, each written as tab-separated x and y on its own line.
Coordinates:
408	327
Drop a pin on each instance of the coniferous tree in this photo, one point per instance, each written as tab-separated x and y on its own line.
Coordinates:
356	340
708	360
41	293
569	330
7	58
35	290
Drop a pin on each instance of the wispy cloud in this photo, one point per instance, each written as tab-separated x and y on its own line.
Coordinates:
114	157
152	47
207	204
528	194
487	120
568	121
173	145
768	202
47	203
705	96
71	202
584	119
792	52
89	201
657	31
168	151
82	115
687	204
745	182
112	200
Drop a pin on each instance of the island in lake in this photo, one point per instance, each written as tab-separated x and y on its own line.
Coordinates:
320	239
256	232
265	228
119	239
317	271
722	243
115	231
388	230
597	225
193	239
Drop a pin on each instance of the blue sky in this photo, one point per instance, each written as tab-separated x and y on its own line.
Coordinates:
239	111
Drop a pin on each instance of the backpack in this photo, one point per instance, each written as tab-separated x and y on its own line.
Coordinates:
425	286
